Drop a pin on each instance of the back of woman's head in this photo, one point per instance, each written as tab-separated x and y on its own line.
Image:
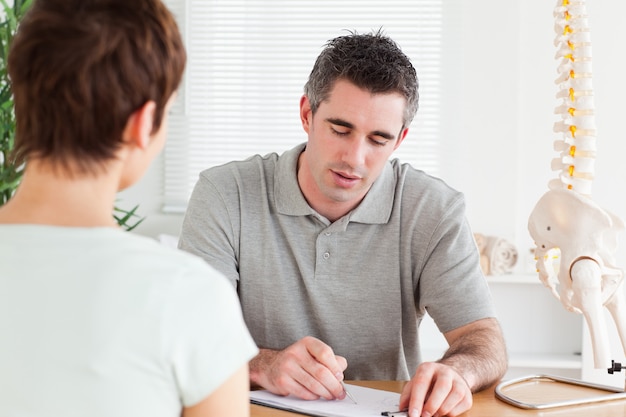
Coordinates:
80	68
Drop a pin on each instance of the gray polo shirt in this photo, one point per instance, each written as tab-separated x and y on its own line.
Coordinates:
360	284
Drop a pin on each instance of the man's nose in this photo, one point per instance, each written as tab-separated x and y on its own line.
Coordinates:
354	152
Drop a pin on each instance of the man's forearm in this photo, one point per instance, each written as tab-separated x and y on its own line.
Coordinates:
478	353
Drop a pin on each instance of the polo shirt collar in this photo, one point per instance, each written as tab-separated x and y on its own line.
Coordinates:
374	209
287	193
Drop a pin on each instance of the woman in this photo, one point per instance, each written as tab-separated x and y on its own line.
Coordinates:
95	321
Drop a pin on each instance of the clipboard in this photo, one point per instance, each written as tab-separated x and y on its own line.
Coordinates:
371	402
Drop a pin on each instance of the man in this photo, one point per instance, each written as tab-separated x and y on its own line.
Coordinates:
337	252
96	321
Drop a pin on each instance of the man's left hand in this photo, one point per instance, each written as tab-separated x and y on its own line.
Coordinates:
436	390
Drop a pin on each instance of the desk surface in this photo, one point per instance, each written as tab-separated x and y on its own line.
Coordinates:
485	405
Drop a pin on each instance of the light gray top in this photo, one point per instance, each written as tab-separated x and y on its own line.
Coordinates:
360	284
100	322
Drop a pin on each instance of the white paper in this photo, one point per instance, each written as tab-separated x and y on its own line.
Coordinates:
370	403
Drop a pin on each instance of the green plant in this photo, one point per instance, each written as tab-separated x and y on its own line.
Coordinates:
124	217
10	172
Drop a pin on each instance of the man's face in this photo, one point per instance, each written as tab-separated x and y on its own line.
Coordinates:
351	137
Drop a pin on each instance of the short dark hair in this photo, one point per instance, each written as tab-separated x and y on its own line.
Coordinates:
80	68
370	61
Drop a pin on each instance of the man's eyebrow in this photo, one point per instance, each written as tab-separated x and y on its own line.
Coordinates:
340	122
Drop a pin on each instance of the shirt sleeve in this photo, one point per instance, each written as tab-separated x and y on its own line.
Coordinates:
452	286
208	230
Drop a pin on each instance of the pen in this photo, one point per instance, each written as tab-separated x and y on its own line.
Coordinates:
348	392
400	413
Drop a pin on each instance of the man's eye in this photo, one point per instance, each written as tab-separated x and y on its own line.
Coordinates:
339	133
379	142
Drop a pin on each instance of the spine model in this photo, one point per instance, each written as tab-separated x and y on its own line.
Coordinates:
577	129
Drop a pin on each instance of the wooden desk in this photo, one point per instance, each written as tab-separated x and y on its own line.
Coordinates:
485	405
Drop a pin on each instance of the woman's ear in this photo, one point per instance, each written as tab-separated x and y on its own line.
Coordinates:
138	130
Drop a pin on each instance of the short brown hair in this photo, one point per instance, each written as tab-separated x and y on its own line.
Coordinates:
80	68
371	61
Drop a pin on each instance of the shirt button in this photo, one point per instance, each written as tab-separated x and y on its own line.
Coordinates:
326	255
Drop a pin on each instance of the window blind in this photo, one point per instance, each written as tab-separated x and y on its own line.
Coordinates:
248	61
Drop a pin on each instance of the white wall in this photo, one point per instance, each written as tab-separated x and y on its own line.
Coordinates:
500	97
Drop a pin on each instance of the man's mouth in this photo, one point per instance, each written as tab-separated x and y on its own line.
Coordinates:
344	179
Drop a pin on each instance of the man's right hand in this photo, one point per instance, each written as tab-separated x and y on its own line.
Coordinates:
308	369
